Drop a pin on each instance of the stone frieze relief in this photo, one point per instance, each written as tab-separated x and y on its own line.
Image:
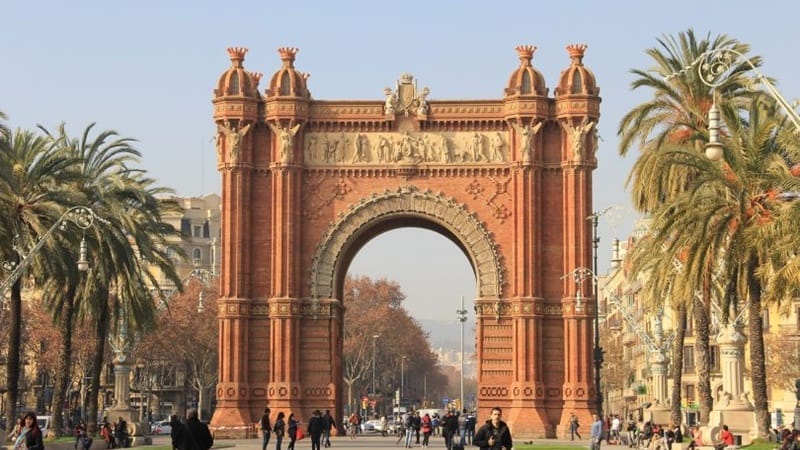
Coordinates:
335	149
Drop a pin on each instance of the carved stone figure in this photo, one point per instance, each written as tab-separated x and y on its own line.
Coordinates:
577	134
383	149
360	147
497	147
311	149
422	100
527	139
391	102
476	148
233	139
286	137
445	155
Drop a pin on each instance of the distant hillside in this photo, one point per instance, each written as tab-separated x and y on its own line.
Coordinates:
447	333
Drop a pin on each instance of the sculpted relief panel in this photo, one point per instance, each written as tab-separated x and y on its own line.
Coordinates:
410	147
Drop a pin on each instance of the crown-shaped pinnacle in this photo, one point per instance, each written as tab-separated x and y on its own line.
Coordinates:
287	55
576	52
256	76
237	55
525	53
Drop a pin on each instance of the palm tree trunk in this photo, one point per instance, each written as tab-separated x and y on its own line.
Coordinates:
12	362
758	370
677	364
702	359
101	334
64	360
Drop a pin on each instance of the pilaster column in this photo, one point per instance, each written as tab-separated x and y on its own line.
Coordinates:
731	343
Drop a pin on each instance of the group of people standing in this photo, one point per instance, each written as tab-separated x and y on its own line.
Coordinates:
318	428
191	435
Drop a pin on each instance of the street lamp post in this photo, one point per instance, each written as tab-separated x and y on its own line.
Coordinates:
462	317
581	274
82	216
597	351
374	354
713	68
402	381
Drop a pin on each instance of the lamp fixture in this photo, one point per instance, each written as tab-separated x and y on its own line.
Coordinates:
83	263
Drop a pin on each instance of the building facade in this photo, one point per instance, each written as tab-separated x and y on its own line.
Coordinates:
638	387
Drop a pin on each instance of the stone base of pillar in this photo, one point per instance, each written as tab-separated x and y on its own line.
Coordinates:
659	414
740	421
138	432
797	418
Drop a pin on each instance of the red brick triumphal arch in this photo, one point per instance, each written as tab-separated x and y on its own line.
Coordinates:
306	183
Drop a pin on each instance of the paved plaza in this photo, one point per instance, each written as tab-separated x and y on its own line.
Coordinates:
368	441
362	442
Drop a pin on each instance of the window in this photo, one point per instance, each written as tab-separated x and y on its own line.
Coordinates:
689	326
526	82
197	231
688	393
577	83
197	256
688	359
765	320
797	317
713	356
285	84
234	88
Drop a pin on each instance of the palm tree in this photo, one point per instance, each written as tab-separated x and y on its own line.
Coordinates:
130	236
729	216
33	174
676	119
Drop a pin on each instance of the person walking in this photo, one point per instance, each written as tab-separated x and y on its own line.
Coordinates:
279	429
327	424
199	435
596	432
494	434
573	426
426	429
30	435
178	433
266	429
12	435
291	428
316	429
121	433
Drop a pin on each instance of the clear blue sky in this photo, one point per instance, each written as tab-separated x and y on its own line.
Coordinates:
147	69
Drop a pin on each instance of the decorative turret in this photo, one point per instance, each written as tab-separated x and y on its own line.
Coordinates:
525	80
236	81
287	81
577	79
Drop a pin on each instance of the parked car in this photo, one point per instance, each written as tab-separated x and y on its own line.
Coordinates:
371	426
44	424
162	427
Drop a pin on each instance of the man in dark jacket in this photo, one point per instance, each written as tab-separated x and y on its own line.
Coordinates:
178	434
494	434
199	435
316	425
